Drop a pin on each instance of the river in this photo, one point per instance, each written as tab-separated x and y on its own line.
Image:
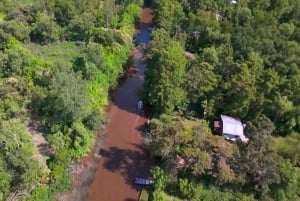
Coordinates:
123	157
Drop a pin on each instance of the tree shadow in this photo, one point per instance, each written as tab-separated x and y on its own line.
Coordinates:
130	91
143	129
125	162
129	199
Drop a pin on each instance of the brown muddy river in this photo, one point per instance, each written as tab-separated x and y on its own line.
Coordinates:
123	157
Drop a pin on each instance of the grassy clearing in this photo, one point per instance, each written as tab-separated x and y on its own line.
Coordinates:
66	51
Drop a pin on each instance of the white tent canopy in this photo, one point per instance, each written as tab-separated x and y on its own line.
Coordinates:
233	127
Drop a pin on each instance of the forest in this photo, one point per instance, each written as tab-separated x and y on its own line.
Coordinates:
58	61
237	58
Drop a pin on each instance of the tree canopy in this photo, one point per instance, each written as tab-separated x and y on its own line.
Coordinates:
58	61
244	64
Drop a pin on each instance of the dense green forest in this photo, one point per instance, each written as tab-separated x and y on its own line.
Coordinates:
58	61
60	58
245	64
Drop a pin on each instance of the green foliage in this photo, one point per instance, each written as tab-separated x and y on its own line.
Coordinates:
60	178
168	15
68	92
64	12
51	53
14	59
245	65
40	194
159	178
37	79
186	188
107	37
165	78
94	121
159	196
19	30
129	17
59	141
90	61
5	179
202	80
288	187
82	140
212	193
45	30
249	55
98	92
114	63
81	27
288	147
145	195
193	142
21	169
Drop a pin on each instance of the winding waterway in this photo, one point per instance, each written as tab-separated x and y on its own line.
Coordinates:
123	157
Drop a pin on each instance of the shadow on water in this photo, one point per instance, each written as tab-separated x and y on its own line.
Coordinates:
123	161
123	157
129	199
130	92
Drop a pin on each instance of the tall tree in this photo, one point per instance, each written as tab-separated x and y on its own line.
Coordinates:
168	15
68	93
164	81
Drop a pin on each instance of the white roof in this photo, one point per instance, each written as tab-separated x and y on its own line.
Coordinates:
233	126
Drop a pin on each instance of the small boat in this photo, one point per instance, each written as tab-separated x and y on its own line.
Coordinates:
143	181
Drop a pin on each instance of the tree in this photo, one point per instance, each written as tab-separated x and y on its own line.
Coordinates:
64	12
45	29
6	178
90	61
22	169
241	91
20	30
168	15
81	27
201	80
159	178
289	185
259	163
164	81
14	60
186	188
68	98
108	10
161	140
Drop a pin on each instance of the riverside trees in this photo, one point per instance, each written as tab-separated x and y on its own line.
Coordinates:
245	65
165	76
58	59
249	62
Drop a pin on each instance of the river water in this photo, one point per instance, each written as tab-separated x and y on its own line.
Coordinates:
123	157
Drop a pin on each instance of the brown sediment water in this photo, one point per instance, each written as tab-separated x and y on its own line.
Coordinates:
123	156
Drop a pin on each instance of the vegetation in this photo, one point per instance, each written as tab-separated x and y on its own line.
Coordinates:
245	65
58	60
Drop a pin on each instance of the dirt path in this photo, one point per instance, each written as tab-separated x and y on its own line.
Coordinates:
123	157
